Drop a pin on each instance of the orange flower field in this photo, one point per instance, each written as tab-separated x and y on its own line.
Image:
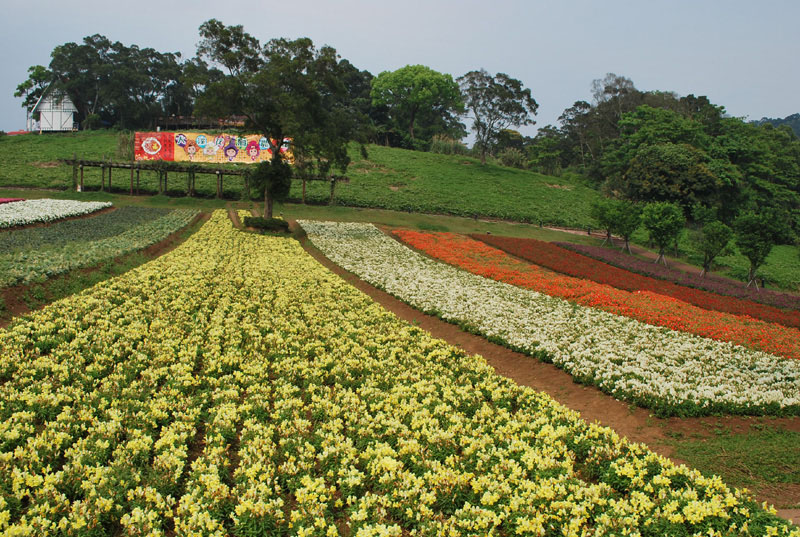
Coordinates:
645	306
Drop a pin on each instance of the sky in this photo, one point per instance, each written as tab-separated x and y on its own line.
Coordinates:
743	55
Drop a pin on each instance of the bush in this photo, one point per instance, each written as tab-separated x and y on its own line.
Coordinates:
266	224
92	122
125	143
447	146
513	158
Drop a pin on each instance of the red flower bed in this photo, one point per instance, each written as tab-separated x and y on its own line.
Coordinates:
9	200
574	264
646	306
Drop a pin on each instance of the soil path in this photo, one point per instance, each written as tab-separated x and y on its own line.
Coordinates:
233	214
637	424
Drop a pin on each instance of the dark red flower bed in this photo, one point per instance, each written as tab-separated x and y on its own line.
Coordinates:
9	200
560	259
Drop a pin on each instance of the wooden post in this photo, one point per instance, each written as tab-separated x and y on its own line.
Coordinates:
81	165
103	172
74	171
189	183
221	184
304	190
333	186
131	178
137	179
110	166
165	181
218	182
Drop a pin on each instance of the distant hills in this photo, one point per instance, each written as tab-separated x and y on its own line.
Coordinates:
793	121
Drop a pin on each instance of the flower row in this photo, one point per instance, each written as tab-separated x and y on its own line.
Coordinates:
671	372
649	307
711	283
26	212
572	263
31	254
236	387
10	200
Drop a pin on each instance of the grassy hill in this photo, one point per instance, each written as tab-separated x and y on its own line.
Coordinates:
389	178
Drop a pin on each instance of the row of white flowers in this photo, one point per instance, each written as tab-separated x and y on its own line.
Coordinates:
26	212
669	371
236	387
34	263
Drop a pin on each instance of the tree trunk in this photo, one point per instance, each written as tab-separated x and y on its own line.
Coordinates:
267	204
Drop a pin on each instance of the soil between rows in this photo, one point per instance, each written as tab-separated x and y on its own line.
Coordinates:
637	424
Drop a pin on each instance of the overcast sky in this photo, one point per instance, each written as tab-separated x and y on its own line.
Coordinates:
743	55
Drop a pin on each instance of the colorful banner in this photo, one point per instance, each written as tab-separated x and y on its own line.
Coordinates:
201	147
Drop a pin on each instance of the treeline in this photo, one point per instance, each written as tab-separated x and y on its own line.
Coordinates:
127	87
642	146
655	146
792	121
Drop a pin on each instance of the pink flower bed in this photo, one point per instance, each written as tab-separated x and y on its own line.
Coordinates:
9	200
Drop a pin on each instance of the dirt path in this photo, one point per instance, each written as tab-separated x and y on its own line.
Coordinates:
637	424
233	214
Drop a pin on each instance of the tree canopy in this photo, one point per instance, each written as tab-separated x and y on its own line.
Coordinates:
496	103
664	222
420	102
285	88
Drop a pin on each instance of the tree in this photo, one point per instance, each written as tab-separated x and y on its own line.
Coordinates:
416	94
713	241
496	103
83	71
286	88
39	77
677	173
664	221
626	218
603	212
756	234
272	180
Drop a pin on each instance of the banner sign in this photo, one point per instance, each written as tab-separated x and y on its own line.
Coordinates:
201	147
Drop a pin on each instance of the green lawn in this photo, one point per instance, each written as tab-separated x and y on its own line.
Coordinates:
757	459
390	178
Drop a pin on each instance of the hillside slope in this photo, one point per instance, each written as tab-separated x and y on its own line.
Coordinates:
389	178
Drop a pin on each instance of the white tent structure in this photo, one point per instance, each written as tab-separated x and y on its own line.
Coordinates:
56	112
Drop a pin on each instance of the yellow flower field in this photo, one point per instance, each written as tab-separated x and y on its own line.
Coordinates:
236	387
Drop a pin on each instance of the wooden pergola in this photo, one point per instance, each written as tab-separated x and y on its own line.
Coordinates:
164	168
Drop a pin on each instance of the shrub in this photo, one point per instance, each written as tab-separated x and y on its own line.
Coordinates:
448	146
266	224
513	158
125	143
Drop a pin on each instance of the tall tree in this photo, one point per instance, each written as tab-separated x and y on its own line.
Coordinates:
417	94
756	234
496	103
83	71
285	88
664	221
39	77
713	241
626	217
678	173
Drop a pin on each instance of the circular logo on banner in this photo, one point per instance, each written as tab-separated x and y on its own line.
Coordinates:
151	145
180	140
201	140
263	144
219	141
241	143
